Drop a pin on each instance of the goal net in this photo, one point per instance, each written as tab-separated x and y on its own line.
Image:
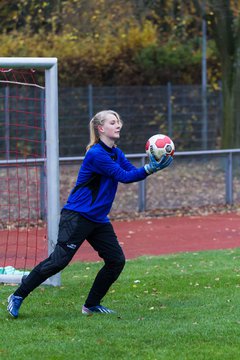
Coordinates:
29	169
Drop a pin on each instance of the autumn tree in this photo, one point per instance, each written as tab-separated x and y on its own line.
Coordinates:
223	17
223	22
31	16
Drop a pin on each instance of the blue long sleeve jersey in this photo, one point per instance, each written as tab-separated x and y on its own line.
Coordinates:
101	171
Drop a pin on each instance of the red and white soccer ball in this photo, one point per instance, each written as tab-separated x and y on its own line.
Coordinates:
158	145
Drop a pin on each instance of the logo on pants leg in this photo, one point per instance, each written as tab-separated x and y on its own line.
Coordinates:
72	246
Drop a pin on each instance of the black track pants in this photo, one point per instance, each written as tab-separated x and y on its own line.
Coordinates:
73	230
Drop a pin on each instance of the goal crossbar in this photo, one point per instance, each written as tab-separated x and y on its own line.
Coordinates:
49	65
27	62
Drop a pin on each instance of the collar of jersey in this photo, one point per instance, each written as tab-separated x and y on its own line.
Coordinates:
105	146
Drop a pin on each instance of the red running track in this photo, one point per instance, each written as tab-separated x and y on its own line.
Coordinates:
153	236
158	236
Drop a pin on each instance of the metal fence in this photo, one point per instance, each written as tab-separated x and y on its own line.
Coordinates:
146	110
173	109
196	179
199	177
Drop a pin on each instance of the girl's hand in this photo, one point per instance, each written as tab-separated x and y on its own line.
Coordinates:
155	165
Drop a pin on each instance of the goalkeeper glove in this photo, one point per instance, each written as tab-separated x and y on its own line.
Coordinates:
155	166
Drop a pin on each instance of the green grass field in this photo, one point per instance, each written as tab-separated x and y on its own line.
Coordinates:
178	307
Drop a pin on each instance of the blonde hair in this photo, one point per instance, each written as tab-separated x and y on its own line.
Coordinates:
97	120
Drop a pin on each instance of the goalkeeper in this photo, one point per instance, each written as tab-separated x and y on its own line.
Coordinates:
85	214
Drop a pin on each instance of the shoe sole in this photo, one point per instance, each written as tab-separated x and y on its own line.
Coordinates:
87	313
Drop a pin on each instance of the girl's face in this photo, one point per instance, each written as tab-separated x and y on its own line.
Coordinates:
111	128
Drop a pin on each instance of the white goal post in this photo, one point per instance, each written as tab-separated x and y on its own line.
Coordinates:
49	66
